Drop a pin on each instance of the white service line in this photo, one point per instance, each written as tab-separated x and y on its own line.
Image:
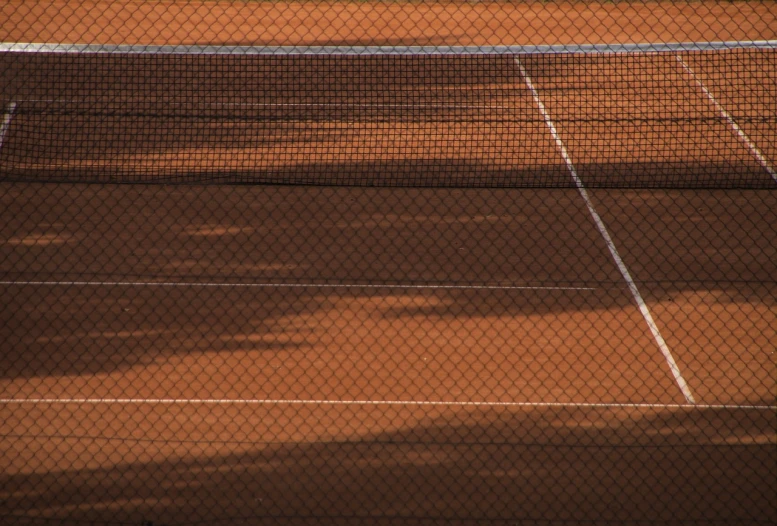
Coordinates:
610	244
411	403
726	115
281	285
7	116
341	105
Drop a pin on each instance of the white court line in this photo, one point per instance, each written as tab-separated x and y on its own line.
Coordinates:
610	244
726	115
6	122
282	285
411	403
342	105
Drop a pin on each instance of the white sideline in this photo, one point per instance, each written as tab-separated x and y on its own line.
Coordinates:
282	285
410	403
608	240
6	122
726	115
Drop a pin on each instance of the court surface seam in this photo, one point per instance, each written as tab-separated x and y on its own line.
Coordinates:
643	308
732	123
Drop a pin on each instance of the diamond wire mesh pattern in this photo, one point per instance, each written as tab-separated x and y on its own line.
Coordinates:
388	262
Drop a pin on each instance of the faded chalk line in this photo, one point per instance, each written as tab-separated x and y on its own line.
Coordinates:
609	242
726	115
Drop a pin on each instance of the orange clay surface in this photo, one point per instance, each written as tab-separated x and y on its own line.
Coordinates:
285	403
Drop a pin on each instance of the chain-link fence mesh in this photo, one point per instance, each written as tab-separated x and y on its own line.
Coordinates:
377	262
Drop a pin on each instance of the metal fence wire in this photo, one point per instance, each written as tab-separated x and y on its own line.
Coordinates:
388	262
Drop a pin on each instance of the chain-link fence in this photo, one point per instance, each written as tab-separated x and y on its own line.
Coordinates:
359	262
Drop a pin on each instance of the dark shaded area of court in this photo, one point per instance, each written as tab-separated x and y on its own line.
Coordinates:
548	466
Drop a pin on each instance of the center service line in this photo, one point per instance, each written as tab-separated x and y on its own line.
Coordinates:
608	240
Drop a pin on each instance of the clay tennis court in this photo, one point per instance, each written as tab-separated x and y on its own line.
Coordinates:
437	338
